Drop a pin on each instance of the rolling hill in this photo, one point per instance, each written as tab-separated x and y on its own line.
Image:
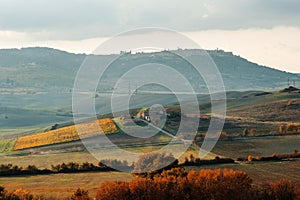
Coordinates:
263	112
36	83
45	69
66	134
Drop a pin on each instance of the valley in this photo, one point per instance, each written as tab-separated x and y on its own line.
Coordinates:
37	126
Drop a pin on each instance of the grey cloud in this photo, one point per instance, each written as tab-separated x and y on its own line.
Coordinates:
78	19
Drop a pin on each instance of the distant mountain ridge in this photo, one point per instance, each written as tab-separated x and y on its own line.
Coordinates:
46	69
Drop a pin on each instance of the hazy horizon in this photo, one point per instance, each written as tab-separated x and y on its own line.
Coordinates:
297	71
265	32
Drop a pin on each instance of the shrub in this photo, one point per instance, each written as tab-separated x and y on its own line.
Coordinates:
252	158
174	172
245	132
2	192
114	191
253	132
80	195
280	190
178	184
282	128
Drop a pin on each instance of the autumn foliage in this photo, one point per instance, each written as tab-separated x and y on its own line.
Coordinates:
291	128
205	185
80	194
18	194
281	189
178	184
67	134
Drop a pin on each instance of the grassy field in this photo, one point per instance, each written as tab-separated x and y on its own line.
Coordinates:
246	110
36	111
20	113
48	158
6	145
43	157
262	172
61	186
257	146
260	113
27	112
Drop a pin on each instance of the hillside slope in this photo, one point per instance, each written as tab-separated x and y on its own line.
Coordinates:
45	69
66	134
36	83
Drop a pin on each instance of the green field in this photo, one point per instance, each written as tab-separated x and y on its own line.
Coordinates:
6	145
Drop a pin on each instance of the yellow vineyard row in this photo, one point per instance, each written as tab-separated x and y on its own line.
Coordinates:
67	134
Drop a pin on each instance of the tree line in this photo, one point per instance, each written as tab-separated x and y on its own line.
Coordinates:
71	167
274	157
147	165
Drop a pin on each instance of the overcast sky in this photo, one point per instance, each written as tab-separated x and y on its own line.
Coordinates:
264	31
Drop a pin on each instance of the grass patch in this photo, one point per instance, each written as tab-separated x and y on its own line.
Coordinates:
66	179
6	145
261	146
62	186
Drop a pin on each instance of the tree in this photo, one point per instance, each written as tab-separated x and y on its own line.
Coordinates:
292	128
80	194
152	162
282	129
253	132
192	158
2	192
223	135
32	169
245	132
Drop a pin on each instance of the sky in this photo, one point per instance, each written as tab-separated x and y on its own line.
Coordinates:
263	31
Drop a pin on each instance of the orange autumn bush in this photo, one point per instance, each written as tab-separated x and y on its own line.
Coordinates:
206	184
177	184
280	189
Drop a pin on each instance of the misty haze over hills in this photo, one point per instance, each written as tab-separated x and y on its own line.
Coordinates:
45	69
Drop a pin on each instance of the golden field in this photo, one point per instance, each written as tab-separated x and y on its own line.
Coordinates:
67	134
